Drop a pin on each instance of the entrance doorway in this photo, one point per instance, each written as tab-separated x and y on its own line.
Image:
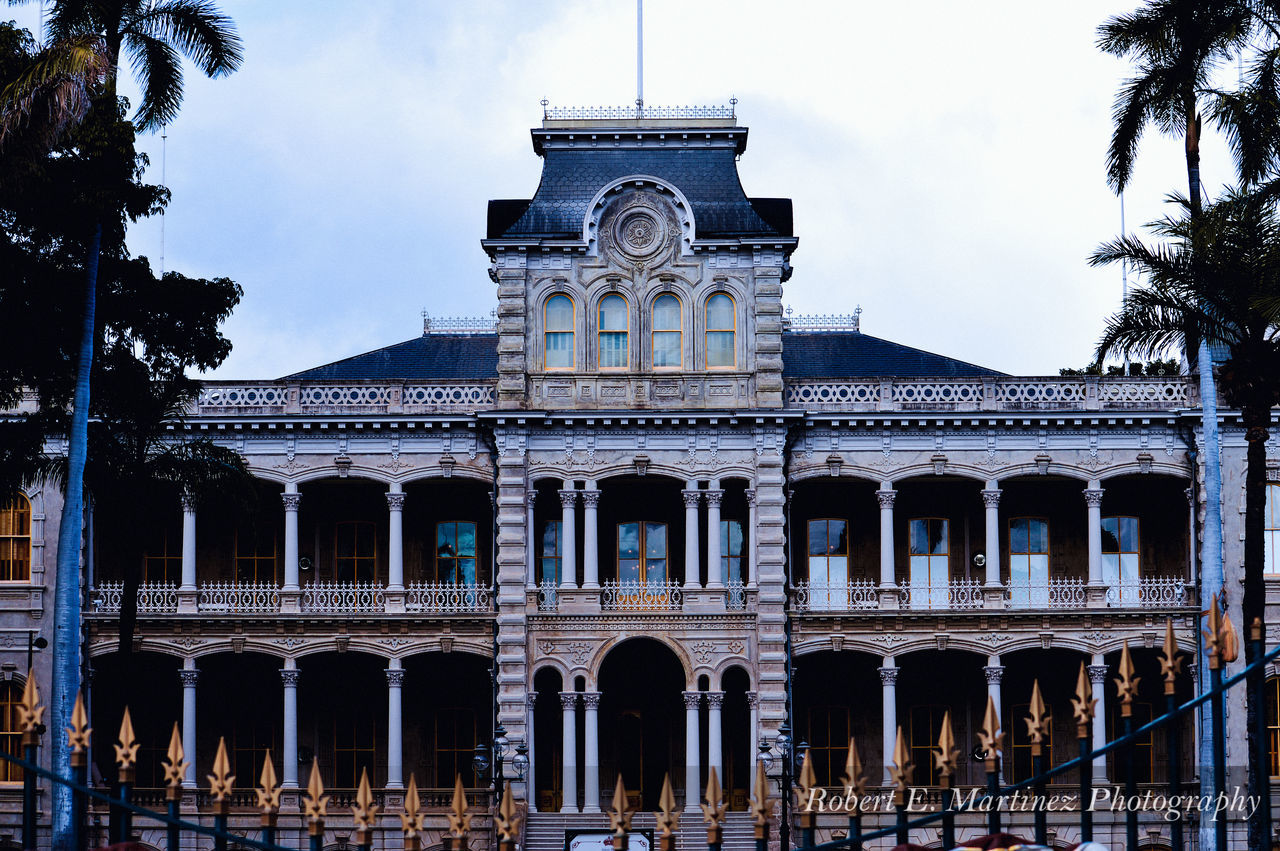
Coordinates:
641	721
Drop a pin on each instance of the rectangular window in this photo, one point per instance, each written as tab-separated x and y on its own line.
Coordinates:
257	556
559	350
356	551
1121	559
1271	533
550	552
926	725
355	744
162	562
455	746
732	549
1028	561
642	553
15	540
828	564
666	349
1272	693
829	734
929	545
456	552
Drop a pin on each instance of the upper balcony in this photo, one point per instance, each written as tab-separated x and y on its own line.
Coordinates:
328	398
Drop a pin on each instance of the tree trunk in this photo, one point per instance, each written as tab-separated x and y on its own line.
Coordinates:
1257	416
66	610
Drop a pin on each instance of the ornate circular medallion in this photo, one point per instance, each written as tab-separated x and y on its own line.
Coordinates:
639	232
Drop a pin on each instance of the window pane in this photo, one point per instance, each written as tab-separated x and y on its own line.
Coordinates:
613	349
938	537
666	348
446	540
613	313
666	313
655	540
559	313
837	540
1129	534
655	571
919	537
731	537
629	540
1018	535
560	350
551	539
720	348
1111	534
466	539
1038	536
629	570
817	537
720	313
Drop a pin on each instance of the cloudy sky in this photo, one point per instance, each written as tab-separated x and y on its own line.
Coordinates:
946	160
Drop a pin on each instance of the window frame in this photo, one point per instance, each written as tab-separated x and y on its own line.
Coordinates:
276	559
1271	530
557	557
626	334
572	332
169	559
643	550
727	556
356	560
654	331
1031	592
10	730
18	507
936	596
707	330
456	559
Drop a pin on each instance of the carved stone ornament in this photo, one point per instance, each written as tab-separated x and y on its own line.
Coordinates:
640	227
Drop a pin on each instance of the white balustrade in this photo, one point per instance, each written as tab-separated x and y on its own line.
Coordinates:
635	596
735	595
1057	593
238	598
955	595
809	596
1149	592
153	598
548	601
342	598
446	598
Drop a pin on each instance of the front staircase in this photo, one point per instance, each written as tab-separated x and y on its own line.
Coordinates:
545	831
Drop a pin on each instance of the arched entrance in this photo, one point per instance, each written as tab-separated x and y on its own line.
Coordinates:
641	720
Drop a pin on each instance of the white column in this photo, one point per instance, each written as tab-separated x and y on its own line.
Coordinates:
994	672
291	498
289	746
889	704
568	537
395	538
1093	502
715	568
751	538
1098	677
991	502
692	574
569	764
590	537
591	765
189	675
531	778
395	749
888	574
715	749
188	544
692	752
530	539
753	727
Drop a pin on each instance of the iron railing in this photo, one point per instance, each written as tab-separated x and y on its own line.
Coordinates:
627	113
634	596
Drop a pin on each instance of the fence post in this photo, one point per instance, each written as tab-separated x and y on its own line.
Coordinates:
620	813
1082	706
1261	739
315	806
126	758
78	740
1213	644
712	810
30	714
411	818
945	759
855	784
1037	732
668	819
362	814
900	773
268	799
175	769
805	815
459	818
1126	687
1170	667
992	741
505	822
220	790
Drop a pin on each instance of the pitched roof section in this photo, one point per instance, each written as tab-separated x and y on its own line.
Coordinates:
708	177
425	358
849	354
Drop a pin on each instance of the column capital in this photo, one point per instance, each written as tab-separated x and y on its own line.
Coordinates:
991	497
692	699
289	676
994	674
291	501
395	501
530	497
568	498
569	700
1097	674
1093	497
395	677
888	675
531	699
189	677
590	499
714	497
591	699
691	498
753	699
715	699
188	502
750	494
886	498
1191	495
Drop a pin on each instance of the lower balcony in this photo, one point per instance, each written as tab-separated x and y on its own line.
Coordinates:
642	596
1147	593
328	598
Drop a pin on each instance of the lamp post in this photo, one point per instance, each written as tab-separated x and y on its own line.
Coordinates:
500	750
787	758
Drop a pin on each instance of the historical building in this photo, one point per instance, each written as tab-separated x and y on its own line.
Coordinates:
641	521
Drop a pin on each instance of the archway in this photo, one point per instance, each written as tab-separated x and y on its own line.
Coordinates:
548	732
739	750
641	720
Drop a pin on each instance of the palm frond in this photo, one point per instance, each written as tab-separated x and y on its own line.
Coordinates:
199	30
55	90
1129	115
159	70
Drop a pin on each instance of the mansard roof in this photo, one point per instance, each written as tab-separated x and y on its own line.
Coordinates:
431	356
851	354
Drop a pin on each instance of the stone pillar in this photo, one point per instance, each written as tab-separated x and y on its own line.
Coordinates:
1097	590
692	752
889	702
994	672
590	538
569	764
189	676
888	573
531	778
289	744
188	600
395	538
395	749
691	495
991	503
568	537
290	594
753	726
1098	677
715	577
715	748
751	538
531	540
591	777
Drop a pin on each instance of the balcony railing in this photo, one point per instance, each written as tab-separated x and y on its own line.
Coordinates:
1149	592
153	598
1086	393
446	597
1058	593
236	598
956	595
343	597
735	596
334	598
635	596
248	398
856	594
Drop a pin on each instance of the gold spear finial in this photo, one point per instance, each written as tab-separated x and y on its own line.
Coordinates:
944	755
411	818
506	821
1213	635
761	806
668	816
1170	660
175	769
79	731
853	778
459	818
713	806
364	810
990	737
315	803
902	768
1082	703
268	792
1126	683
220	780
1038	722
620	814
1228	640
30	712
127	749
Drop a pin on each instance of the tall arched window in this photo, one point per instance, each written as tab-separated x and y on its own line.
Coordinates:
613	332
10	729
721	324
558	325
666	332
15	539
1271	535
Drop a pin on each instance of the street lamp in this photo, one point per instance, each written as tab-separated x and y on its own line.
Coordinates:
500	749
788	755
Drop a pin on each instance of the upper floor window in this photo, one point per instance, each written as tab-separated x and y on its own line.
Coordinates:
551	553
721	325
613	332
666	332
1028	560
1271	535
930	548
1272	693
642	553
355	551
162	559
828	564
456	552
1121	561
732	550
558	322
10	729
257	555
15	539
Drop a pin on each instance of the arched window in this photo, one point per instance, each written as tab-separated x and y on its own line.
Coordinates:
667	352
15	539
1271	535
10	729
721	324
558	324
613	332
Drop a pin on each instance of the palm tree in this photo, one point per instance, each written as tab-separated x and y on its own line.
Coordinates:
50	89
156	35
